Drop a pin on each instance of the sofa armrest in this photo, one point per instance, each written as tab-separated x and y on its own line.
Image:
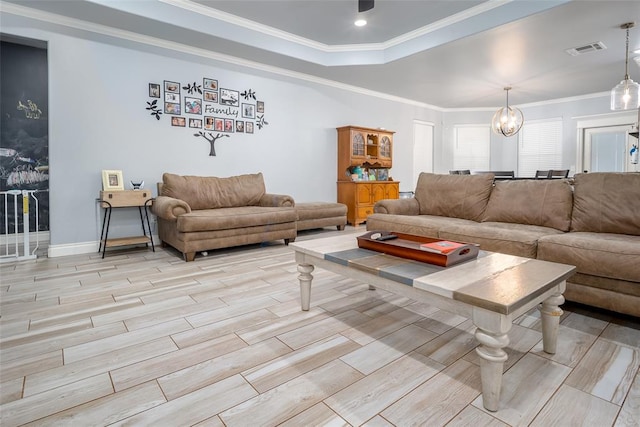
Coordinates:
276	201
169	208
397	206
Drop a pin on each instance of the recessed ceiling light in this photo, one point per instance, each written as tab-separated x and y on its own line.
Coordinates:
360	22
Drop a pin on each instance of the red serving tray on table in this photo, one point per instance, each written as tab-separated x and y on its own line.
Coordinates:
408	246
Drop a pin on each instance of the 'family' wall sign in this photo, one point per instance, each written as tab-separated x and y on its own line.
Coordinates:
215	112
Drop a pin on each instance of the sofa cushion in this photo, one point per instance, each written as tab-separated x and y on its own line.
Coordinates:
606	203
234	236
456	196
419	225
318	210
506	238
546	203
600	254
211	192
232	218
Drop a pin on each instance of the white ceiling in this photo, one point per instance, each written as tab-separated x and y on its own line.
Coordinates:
450	54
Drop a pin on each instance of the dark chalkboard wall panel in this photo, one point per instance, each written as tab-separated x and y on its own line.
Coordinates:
24	125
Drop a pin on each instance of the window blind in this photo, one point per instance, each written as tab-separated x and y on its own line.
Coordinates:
540	147
472	147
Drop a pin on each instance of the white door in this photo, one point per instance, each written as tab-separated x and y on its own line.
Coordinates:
607	149
422	150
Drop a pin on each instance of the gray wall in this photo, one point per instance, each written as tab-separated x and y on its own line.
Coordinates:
98	95
98	91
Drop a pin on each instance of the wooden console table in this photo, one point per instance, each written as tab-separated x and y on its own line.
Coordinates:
141	199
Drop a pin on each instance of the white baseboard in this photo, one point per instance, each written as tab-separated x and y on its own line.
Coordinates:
78	248
72	249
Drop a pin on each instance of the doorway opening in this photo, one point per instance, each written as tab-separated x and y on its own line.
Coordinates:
605	144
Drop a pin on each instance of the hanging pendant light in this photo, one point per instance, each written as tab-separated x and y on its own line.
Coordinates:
507	121
625	95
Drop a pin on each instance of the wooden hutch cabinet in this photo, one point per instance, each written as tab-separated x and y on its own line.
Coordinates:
370	150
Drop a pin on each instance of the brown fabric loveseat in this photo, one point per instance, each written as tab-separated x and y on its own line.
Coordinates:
593	225
202	213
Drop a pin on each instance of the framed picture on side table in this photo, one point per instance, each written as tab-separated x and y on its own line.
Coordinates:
112	180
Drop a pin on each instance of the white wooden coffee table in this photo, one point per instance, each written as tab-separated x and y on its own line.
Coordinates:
492	290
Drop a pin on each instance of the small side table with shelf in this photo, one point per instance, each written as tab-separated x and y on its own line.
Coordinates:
109	200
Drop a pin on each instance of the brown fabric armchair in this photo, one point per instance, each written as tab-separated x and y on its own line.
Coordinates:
203	213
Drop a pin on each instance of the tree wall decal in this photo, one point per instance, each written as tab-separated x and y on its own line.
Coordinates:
153	107
216	113
211	138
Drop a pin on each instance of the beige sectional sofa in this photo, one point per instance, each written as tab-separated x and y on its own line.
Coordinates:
203	213
593	224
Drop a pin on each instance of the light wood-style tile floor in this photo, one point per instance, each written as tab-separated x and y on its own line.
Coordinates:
143	338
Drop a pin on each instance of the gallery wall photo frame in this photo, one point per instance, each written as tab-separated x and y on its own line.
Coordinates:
154	90
208	122
248	111
192	105
172	97
209	84
229	97
260	106
210	96
112	180
178	121
172	87
195	123
170	108
228	125
248	127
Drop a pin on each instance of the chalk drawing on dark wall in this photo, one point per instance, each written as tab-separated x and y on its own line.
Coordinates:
24	128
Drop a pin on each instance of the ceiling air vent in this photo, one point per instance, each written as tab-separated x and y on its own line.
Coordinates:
591	47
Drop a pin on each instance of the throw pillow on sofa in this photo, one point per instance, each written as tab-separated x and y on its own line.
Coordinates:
547	203
605	202
454	196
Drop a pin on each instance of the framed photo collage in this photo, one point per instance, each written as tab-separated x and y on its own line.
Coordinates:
207	106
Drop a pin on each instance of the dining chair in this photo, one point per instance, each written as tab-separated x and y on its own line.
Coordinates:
558	173
540	174
460	172
498	174
504	174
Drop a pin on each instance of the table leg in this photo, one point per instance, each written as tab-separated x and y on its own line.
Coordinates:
492	358
550	314
305	278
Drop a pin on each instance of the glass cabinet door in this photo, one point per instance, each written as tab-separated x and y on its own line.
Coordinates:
385	147
357	144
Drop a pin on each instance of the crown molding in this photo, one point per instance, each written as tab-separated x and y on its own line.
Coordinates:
325	48
446	22
27	12
216	23
77	24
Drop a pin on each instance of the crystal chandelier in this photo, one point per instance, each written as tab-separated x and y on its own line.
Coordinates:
507	120
625	95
